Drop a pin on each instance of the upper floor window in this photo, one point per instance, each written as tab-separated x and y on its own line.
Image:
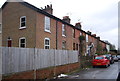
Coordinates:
63	30
22	42
73	33
80	34
0	28
47	43
22	22
47	24
63	44
86	38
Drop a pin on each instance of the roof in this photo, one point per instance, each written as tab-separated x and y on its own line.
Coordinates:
51	16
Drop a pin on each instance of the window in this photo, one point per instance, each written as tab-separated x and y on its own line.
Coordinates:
22	22
73	46
47	43
47	24
86	38
0	28
79	47
22	42
63	30
64	45
99	57
73	33
80	34
76	46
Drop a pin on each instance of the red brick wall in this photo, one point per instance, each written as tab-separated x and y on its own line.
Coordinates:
44	73
61	38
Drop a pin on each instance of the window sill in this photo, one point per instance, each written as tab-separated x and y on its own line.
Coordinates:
73	37
22	28
63	35
47	31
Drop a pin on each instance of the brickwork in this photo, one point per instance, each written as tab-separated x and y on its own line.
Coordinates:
45	73
66	38
41	34
11	16
34	32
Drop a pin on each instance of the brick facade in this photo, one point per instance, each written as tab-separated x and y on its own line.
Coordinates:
44	73
11	24
34	31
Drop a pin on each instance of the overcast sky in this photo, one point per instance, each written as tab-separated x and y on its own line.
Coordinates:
98	16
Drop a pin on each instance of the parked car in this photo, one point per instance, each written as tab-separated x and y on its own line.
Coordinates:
118	57
100	61
109	57
115	58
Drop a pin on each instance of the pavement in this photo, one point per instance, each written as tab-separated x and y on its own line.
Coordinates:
110	72
94	74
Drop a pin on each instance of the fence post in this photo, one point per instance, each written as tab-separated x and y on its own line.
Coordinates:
34	65
54	63
68	59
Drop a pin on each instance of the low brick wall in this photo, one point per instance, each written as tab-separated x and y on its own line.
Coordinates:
44	73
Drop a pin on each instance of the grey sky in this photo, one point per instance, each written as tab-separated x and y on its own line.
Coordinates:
98	16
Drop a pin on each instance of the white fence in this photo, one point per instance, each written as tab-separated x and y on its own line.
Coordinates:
24	59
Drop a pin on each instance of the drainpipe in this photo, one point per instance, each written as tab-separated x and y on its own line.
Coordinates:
56	34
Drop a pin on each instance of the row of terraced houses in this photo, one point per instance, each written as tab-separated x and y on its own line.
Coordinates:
26	26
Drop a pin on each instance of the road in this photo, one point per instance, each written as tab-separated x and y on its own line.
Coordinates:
97	73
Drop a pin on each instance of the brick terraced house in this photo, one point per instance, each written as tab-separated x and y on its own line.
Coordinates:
27	26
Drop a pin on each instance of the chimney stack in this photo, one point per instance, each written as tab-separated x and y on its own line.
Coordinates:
48	9
98	37
78	25
66	19
89	32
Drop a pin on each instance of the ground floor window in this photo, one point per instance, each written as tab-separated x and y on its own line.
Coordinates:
64	45
76	46
22	42
73	46
47	43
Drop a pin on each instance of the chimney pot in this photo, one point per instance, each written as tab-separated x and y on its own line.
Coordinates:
98	37
94	35
48	9
89	32
47	6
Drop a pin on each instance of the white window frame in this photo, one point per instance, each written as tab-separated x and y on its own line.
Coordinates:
63	30
80	33
0	28
47	24
20	42
73	33
49	42
21	22
86	38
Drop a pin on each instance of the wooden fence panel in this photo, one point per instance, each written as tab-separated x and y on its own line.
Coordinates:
24	59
